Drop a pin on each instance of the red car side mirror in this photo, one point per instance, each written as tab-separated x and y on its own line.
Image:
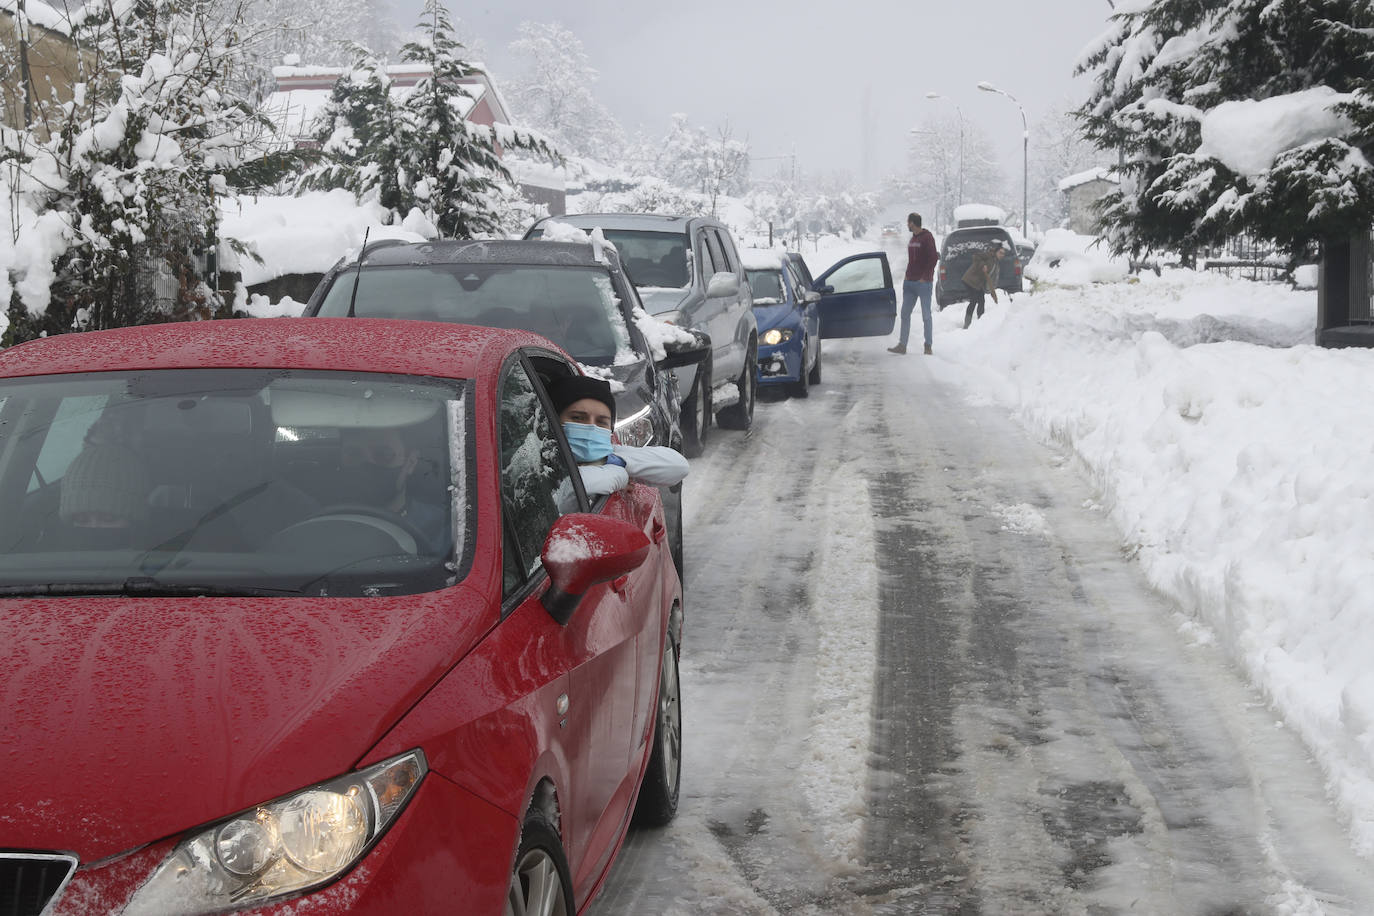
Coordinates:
583	549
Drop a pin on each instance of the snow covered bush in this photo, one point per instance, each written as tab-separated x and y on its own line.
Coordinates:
131	173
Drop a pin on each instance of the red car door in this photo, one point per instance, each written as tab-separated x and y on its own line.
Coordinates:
596	647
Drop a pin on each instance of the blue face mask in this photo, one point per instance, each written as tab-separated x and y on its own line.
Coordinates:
588	443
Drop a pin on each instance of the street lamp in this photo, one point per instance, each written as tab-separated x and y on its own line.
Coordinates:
1025	155
936	95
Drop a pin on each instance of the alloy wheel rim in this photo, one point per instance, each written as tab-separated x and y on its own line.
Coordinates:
670	715
536	888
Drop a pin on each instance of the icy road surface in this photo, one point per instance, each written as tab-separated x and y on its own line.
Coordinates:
919	676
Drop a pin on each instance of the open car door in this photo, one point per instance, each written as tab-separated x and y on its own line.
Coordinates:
857	297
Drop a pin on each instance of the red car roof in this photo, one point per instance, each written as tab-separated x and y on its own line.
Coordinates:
358	344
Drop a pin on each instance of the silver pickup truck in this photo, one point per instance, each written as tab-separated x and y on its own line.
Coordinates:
688	273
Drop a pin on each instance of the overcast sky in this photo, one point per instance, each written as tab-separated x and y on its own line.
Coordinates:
793	77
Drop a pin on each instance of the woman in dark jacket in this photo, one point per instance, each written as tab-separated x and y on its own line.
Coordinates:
981	278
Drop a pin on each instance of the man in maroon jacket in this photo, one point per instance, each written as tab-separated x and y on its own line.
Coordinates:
921	255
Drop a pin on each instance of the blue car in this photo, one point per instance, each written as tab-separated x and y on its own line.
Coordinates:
853	298
789	322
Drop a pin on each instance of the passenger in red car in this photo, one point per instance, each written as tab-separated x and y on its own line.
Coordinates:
104	498
586	408
380	467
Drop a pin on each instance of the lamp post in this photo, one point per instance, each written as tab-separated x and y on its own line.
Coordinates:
958	111
1025	156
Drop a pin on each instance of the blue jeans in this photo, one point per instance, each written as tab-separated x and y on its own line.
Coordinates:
911	291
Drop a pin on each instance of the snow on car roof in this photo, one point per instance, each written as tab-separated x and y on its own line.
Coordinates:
404	347
762	258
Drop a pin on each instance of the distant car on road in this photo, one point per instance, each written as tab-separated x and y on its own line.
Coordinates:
688	272
956	256
245	671
854	298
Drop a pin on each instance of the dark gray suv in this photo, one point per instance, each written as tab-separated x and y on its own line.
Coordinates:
576	295
688	273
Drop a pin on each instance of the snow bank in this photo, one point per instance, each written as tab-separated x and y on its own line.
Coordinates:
1248	135
1065	258
1234	457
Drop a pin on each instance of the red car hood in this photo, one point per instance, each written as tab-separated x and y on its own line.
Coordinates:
130	720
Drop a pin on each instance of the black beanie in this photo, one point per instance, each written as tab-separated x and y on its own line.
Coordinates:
566	389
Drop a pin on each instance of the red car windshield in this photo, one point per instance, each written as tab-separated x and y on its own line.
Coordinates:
255	482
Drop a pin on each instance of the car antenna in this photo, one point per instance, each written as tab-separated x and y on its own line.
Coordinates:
358	274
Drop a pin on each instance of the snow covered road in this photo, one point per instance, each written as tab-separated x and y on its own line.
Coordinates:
920	676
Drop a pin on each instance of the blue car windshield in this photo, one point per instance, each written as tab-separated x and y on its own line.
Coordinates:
766	285
232	481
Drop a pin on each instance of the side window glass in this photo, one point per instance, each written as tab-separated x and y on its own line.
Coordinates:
536	482
705	258
717	257
857	276
728	259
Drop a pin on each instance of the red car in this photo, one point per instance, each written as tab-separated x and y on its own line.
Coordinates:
318	614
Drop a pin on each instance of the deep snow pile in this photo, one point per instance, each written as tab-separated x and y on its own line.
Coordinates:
1069	259
1235	458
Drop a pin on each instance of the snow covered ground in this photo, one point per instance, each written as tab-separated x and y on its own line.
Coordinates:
1234	457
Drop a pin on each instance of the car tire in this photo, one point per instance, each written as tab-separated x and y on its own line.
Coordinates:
740	415
696	414
801	388
672	512
815	377
539	881
658	794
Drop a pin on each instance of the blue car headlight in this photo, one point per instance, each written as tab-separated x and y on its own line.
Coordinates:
775	336
290	845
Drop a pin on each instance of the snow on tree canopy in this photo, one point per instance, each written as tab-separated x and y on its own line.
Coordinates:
1248	135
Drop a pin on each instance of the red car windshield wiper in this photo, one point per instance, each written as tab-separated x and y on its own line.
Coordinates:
141	587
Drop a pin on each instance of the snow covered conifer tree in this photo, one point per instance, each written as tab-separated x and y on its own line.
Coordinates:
415	152
1247	116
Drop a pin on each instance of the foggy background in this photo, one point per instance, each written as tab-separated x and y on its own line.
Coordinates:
838	85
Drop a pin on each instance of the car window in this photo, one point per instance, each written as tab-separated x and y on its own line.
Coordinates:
718	261
282	481
789	279
705	258
857	276
803	272
536	480
575	307
652	258
766	286
729	260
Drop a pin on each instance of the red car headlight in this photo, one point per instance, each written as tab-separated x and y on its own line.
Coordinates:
283	847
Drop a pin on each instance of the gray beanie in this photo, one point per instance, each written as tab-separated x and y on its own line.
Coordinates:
108	479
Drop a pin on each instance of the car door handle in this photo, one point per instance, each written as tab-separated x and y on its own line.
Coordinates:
658	531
